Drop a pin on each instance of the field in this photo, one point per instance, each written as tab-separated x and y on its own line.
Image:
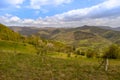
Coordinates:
10	46
22	66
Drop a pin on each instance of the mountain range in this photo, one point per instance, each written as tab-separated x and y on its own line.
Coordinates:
82	37
71	35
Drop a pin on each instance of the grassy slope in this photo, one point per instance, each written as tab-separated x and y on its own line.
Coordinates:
34	67
22	66
10	46
8	34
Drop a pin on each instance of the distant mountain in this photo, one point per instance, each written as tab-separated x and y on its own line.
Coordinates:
102	27
25	30
29	30
116	29
8	34
108	34
96	34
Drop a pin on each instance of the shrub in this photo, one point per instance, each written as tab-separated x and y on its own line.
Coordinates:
77	52
90	53
82	53
112	52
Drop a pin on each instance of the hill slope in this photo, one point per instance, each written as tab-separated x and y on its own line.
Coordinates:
34	67
8	34
70	34
85	36
11	41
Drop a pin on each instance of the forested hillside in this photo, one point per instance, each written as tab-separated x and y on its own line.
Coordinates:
8	34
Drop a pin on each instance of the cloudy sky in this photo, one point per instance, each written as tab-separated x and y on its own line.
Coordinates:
60	13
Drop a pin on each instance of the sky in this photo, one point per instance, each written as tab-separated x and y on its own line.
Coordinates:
60	13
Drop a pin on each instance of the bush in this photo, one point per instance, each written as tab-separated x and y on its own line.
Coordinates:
90	53
77	52
112	52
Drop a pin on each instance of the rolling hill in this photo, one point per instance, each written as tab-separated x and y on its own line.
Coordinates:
18	60
84	37
71	34
8	34
11	41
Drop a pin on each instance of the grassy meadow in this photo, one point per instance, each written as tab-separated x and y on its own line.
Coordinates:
36	58
10	46
54	66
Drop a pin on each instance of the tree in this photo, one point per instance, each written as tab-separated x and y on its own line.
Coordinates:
112	52
90	53
77	52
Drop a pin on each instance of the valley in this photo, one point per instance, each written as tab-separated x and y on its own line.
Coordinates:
58	53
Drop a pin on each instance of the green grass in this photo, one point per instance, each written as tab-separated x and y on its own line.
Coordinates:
60	55
10	46
35	67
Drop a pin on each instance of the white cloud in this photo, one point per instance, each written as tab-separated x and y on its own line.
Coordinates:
58	2
27	21
95	15
15	2
10	20
37	4
16	21
97	10
111	4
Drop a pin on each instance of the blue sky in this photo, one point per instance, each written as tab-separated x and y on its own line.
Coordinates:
60	13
